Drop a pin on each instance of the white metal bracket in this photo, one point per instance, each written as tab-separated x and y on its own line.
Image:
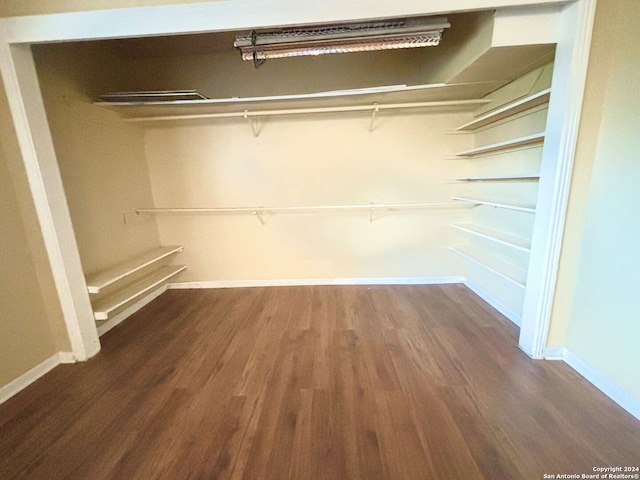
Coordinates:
374	113
253	122
260	216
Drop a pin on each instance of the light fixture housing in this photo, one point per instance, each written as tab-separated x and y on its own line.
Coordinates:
344	38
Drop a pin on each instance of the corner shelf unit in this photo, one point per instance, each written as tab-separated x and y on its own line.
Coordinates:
488	245
529	140
496	236
128	288
530	101
513	274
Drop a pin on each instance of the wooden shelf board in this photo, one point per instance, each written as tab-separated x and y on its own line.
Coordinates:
509	272
501	178
100	280
107	305
506	145
521	207
506	111
495	236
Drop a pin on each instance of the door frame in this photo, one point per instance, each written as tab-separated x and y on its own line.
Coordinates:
36	145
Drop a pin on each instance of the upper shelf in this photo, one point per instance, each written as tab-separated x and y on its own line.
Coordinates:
506	111
452	97
534	139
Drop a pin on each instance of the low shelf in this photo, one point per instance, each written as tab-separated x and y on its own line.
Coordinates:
104	307
515	275
100	280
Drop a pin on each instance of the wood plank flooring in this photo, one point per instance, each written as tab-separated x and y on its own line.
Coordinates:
380	382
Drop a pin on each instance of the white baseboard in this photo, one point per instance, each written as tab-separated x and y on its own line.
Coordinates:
503	309
292	282
554	353
611	389
67	357
27	378
120	317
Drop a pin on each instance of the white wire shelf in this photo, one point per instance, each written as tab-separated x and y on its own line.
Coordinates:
496	236
506	204
506	111
370	108
302	209
465	97
501	178
516	275
511	144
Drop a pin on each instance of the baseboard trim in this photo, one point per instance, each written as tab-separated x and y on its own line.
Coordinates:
294	282
27	378
67	357
611	389
123	315
554	353
503	309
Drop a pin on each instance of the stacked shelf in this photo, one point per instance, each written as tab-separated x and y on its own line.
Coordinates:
526	103
128	283
511	144
490	247
495	236
101	280
501	178
512	273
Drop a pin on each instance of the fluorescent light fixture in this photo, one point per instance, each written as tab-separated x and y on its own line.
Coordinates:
354	37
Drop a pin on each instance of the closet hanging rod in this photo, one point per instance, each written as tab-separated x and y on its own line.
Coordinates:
299	111
314	208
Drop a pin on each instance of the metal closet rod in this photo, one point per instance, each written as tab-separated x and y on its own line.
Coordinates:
254	210
297	111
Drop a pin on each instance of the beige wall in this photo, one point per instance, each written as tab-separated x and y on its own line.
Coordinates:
597	304
31	324
225	75
307	161
101	159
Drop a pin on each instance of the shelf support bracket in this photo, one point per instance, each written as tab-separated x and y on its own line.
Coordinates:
260	216
253	123
374	113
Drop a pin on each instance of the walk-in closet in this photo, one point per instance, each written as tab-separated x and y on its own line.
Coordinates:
185	166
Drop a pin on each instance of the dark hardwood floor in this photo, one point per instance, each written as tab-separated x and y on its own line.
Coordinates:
402	382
